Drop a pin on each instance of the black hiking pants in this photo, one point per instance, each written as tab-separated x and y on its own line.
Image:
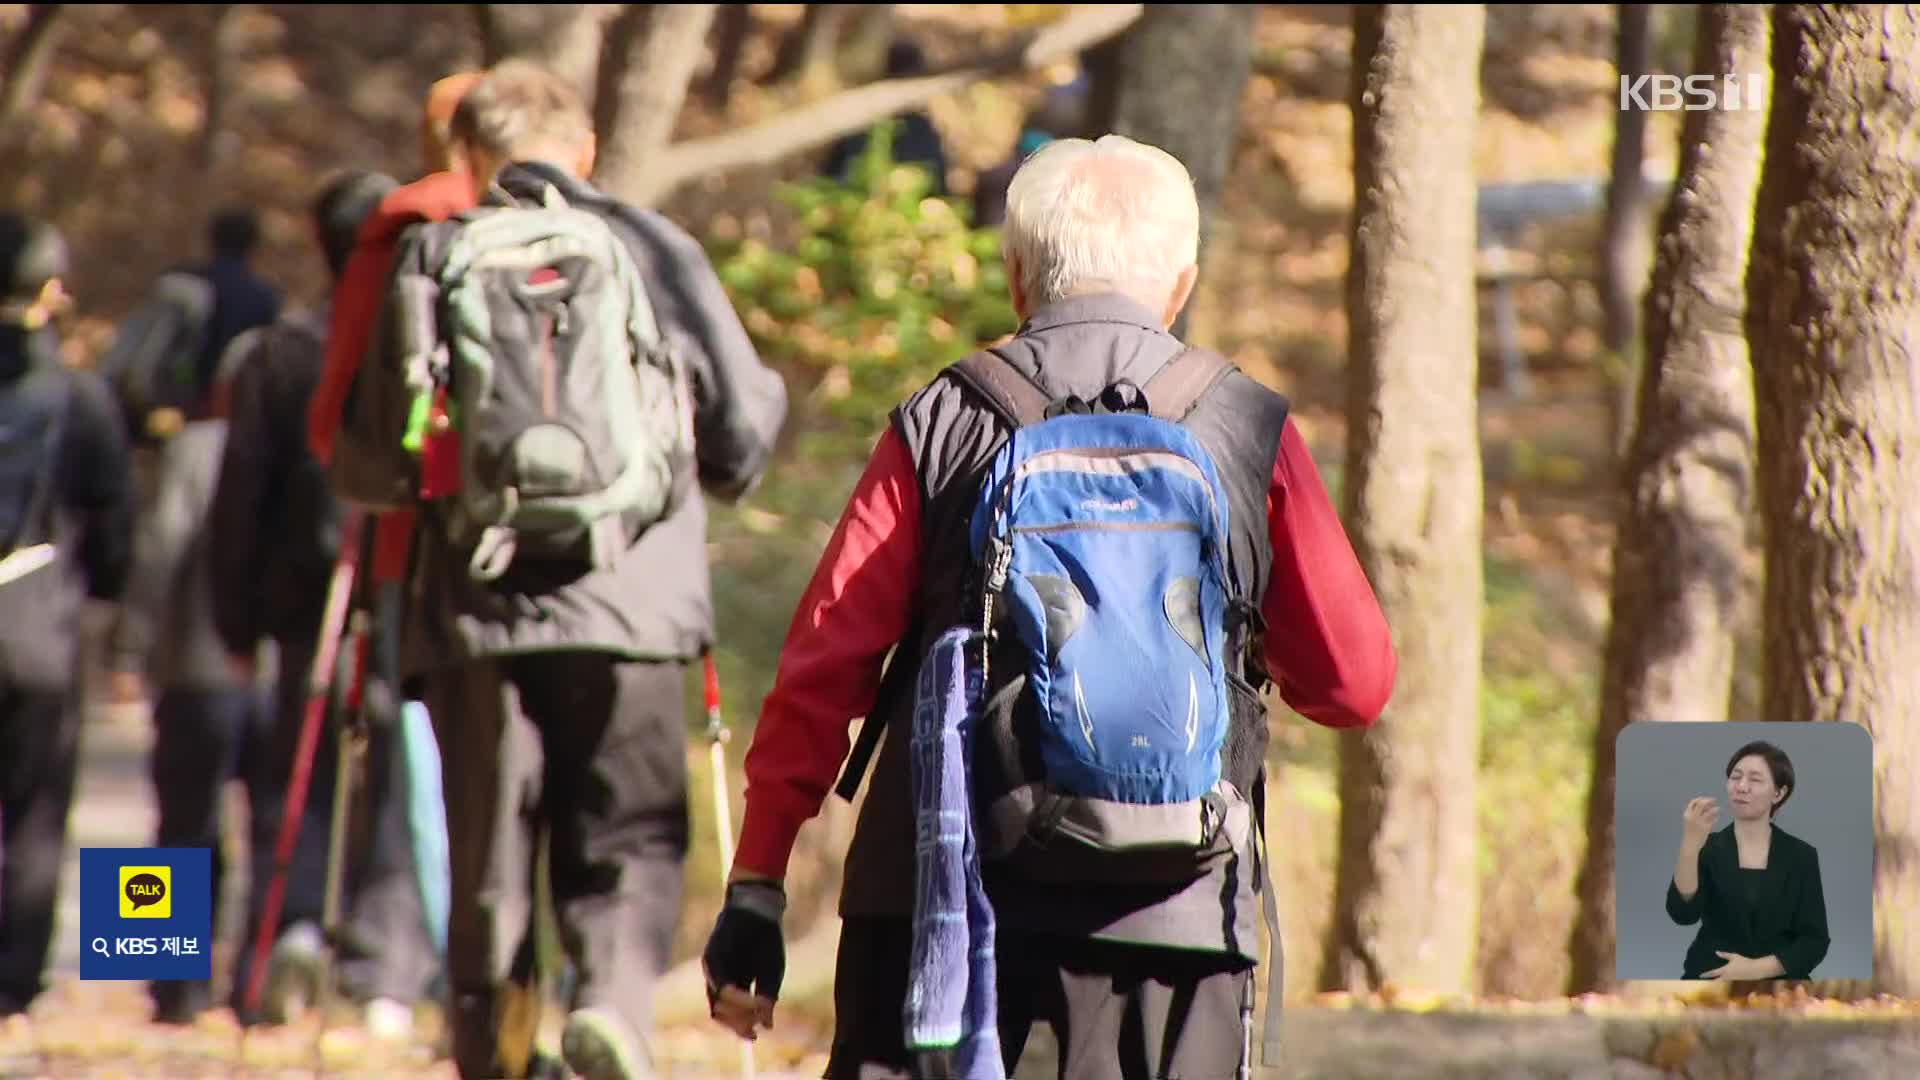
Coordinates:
203	738
39	757
591	750
1118	1012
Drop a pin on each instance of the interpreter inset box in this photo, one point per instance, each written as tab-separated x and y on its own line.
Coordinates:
1743	851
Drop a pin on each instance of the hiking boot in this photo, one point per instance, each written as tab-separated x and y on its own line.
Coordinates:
599	1046
179	1004
293	974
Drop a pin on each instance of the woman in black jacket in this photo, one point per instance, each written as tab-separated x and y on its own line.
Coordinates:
1753	887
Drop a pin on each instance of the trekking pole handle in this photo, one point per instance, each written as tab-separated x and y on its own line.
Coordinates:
722	812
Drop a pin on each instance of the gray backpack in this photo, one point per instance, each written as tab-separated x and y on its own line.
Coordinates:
523	338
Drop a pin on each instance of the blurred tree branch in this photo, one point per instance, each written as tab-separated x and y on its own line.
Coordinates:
28	57
860	107
650	54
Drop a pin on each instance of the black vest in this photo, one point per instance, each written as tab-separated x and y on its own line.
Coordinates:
1077	347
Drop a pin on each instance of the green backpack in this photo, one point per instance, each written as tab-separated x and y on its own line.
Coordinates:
519	383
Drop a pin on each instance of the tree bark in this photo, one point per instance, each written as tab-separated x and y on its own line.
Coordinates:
862	53
215	142
1174	80
733	25
1624	238
1834	321
651	56
1406	892
564	38
1677	586
28	57
806	54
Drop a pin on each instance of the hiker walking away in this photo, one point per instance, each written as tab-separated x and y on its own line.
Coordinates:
276	532
445	190
1147	971
162	360
66	533
208	714
409	764
580	623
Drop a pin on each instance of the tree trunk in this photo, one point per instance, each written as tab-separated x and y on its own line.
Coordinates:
1834	321
216	143
733	25
862	55
1406	893
807	52
564	38
1677	586
652	55
27	59
1625	237
1174	80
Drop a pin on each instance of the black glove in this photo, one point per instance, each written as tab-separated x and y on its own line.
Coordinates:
746	948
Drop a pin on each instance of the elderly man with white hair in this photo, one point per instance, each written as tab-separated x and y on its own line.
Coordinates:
1101	247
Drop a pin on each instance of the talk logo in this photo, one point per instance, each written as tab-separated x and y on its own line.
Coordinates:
146	892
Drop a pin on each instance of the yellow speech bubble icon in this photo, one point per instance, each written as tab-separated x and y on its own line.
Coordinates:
146	892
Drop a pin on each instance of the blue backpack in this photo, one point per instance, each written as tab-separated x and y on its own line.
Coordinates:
1100	546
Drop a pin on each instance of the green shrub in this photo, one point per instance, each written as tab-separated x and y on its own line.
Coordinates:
878	286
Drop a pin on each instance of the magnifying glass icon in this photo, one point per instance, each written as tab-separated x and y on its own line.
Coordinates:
100	946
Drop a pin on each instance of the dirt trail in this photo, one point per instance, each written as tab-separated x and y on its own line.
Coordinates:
97	1030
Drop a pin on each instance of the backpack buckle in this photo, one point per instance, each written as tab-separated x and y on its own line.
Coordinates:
999	563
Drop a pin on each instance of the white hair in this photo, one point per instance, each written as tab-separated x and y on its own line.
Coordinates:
1107	215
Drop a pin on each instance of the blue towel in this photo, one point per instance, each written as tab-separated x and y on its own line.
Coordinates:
951	1004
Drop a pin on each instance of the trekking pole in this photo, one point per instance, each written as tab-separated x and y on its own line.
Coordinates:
717	736
352	749
320	680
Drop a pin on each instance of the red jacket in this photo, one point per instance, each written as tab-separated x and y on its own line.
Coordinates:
356	307
1328	647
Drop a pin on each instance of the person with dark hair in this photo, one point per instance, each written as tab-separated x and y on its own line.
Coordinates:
1753	887
242	299
275	533
66	533
233	234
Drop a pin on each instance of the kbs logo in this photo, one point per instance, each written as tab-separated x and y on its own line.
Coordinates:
146	892
1693	93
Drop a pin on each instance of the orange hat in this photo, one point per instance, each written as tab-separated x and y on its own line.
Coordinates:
442	99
